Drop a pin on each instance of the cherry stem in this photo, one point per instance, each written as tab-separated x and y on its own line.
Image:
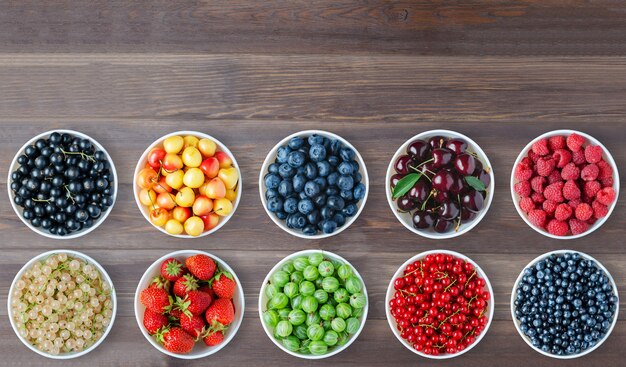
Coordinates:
425	201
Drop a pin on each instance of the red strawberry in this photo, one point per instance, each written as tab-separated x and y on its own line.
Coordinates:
556	142
554	192
523	188
562	157
593	154
176	314
541	147
545	166
589	172
185	284
160	282
571	190
570	172
194	303
220	313
172	269
153	321
563	212
156	299
557	227
584	212
201	266
537	217
223	285
213	338
207	289
193	324
176	340
526	204
575	142
606	196
577	226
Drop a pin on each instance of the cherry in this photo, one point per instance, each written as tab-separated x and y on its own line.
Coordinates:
443	180
465	164
458	184
458	146
441	196
442	226
423	219
405	204
472	200
485	178
419	191
442	157
467	215
437	142
394	179
427	169
402	164
448	210
418	150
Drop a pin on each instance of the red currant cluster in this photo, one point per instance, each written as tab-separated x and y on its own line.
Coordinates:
440	304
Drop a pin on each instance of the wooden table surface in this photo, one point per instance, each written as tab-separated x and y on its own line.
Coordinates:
250	73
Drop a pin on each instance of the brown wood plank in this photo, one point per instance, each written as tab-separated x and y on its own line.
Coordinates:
428	27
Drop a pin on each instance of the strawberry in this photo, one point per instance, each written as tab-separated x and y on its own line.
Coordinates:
207	289
193	325
172	269
224	285
160	282
201	266
176	314
156	299
176	340
185	284
194	303
213	338
221	313
153	321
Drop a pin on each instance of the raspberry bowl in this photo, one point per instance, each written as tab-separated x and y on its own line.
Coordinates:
591	324
461	322
453	198
565	184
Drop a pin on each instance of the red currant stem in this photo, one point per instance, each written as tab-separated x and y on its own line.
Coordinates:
444	275
470	278
471	332
407	292
447	318
427	325
471	300
450	285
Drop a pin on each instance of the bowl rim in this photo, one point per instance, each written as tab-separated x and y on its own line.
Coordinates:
516	285
262	296
390	291
18	211
144	158
103	273
272	154
142	284
465	227
606	156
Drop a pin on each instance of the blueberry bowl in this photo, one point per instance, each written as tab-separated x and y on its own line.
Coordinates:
313	184
62	184
591	315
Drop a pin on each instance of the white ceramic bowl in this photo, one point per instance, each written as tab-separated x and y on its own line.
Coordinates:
104	275
19	210
200	350
605	156
391	291
263	303
406	218
143	160
517	323
271	156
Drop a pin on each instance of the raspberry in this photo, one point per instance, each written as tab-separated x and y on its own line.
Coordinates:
579	158
575	142
537	217
574	203
554	192
541	147
545	166
577	226
562	157
526	204
556	142
563	212
523	172
555	176
593	154
599	210
533	156
607	182
605	170
549	206
589	172
557	227
570	172
584	211
537	183
537	198
523	188
606	196
591	188
571	190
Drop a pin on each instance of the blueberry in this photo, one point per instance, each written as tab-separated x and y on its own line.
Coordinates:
302	195
347	154
271	181
312	189
317	153
315	139
296	143
349	210
281	154
273	168
347	195
275	204
296	221
321	181
359	192
333	179
319	200
335	202
309	230
345	168
285	188
314	217
296	159
270	193
358	177
335	147
298	182
346	183
329	226
281	215
323	168
333	160
327	213
305	206
286	171
291	205
340	219
310	170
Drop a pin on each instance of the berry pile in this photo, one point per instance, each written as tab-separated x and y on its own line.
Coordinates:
564	184
440	304
63	183
565	304
189	302
314	304
314	184
441	182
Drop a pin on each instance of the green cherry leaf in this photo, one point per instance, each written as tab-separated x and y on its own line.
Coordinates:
404	185
477	184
